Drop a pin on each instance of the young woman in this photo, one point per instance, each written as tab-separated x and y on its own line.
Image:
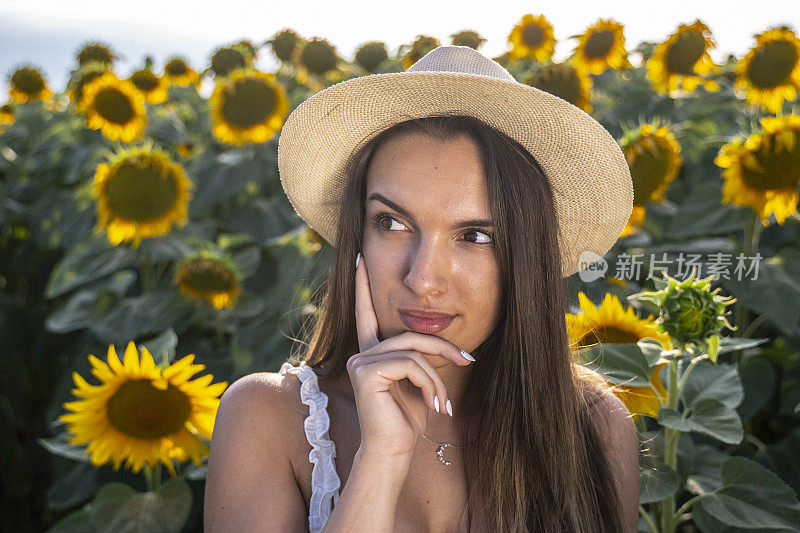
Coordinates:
440	388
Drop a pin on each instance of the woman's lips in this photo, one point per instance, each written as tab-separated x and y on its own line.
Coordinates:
425	325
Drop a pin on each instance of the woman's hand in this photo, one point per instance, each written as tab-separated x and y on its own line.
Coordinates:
393	382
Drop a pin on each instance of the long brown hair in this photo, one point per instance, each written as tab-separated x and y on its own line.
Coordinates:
538	464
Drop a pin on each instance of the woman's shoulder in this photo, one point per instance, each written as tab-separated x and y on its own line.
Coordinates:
274	397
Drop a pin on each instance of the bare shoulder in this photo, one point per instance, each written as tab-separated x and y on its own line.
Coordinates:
614	421
620	438
251	480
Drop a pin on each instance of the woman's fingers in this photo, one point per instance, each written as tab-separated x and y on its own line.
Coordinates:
386	371
366	321
421	342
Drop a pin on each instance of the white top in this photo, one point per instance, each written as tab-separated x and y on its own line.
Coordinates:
325	481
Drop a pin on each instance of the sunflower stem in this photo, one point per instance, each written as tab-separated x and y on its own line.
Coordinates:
648	519
752	232
670	446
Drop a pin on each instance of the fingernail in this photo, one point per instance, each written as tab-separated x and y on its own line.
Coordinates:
467	356
449	408
436	403
358	258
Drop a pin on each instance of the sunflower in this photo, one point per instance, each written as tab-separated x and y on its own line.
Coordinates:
317	56
762	172
611	324
114	106
532	37
143	414
566	82
283	44
370	55
601	47
27	84
210	277
248	50
467	38
680	62
154	88
770	72
227	59
140	193
653	156
178	72
310	242
185	149
80	78
421	46
248	107
96	53
7	115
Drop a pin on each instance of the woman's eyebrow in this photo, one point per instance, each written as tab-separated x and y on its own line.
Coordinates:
476	222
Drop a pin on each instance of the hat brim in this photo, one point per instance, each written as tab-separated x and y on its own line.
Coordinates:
591	181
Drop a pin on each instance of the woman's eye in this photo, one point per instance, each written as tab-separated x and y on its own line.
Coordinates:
381	218
486	236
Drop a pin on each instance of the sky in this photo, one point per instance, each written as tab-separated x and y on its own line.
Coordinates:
48	34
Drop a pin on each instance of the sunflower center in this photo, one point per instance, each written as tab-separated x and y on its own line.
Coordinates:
113	106
142	411
649	169
532	35
599	44
175	68
28	81
283	45
607	335
772	63
318	57
688	48
249	102
207	275
141	193
95	53
145	81
781	169
558	80
226	60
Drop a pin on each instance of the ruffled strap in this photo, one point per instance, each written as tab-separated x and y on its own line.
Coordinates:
325	481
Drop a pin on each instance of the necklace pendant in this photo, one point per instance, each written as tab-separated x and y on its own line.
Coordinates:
440	455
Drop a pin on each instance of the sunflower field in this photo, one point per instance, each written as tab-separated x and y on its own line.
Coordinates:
149	258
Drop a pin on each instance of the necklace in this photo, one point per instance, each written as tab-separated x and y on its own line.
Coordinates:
443	445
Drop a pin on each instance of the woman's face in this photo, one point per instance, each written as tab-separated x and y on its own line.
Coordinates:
422	245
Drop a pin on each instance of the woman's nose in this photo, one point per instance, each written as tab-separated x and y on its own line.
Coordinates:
428	267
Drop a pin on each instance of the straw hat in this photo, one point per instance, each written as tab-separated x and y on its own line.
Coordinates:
590	177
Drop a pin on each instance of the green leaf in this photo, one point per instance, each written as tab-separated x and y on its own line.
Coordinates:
162	348
86	304
751	498
774	293
707	416
718	381
652	350
731	344
85	262
143	315
79	521
622	364
702	462
713	347
59	445
759	381
657	483
72	487
118	507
